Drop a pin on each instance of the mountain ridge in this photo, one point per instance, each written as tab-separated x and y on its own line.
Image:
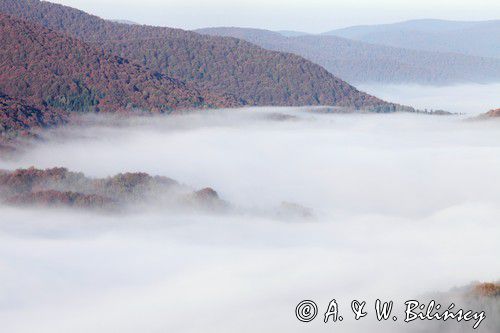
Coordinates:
47	68
477	38
253	75
46	77
360	62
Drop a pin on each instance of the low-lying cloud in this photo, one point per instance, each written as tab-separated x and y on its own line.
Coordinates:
404	204
472	98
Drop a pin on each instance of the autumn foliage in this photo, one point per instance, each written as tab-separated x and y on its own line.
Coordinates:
17	116
221	65
50	69
60	187
57	198
487	289
493	113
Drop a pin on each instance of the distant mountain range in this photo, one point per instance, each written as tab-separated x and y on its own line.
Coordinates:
360	62
254	76
291	33
481	38
125	22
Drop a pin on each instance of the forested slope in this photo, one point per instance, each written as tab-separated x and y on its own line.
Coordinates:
47	68
255	76
359	62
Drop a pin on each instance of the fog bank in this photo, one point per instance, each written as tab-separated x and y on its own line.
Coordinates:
404	204
460	98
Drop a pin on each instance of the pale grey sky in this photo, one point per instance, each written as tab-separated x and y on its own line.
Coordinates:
304	15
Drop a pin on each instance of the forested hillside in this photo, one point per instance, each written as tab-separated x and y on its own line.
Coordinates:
19	118
46	68
359	62
255	76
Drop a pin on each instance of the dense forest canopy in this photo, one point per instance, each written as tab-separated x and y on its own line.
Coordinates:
51	69
253	75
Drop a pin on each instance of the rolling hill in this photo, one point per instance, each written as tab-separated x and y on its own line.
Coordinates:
49	69
478	38
359	62
221	65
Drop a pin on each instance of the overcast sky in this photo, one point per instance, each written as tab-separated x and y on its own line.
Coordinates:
304	15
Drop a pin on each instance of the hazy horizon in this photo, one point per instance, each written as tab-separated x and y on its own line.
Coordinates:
313	17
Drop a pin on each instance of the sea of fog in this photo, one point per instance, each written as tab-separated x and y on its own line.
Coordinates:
459	98
404	204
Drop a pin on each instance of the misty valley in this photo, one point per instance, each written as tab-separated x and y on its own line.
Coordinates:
361	192
253	166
